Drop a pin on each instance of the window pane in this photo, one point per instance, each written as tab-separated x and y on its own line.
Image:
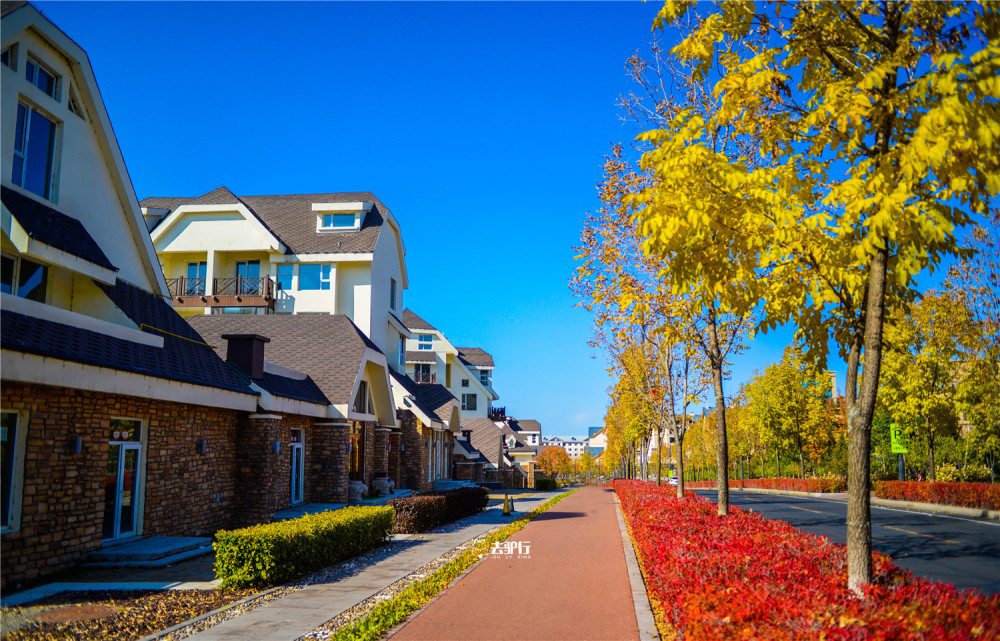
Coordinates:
328	220
125	429
31	281
29	72
22	112
309	276
7	275
41	144
8	440
343	220
46	82
284	277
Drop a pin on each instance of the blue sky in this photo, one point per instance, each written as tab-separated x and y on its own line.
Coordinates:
481	125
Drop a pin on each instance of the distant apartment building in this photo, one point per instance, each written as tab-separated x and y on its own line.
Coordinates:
574	447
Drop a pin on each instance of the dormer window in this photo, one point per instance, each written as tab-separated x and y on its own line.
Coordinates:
42	78
425	341
340	216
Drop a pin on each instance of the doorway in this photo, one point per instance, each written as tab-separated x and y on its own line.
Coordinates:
297	480
121	481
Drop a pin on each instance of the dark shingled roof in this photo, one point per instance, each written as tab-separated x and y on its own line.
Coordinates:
434	400
299	389
328	347
291	218
420	357
183	357
412	321
475	357
525	425
55	229
485	437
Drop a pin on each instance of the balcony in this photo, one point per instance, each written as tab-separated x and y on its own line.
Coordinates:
424	377
238	291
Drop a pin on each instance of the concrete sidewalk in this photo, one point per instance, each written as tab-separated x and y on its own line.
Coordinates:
564	577
302	611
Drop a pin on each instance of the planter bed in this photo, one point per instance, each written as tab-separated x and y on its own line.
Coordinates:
793	485
982	496
743	576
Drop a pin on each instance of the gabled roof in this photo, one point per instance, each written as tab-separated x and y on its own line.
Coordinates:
525	425
184	356
328	347
434	400
53	228
485	437
412	321
292	220
475	357
420	357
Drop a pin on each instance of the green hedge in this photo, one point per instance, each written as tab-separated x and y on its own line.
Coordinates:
420	513
274	553
546	485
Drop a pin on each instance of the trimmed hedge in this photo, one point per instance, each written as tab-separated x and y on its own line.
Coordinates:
794	485
746	577
982	496
274	553
420	513
546	485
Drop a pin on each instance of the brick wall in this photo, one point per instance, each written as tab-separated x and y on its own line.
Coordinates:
262	473
414	454
186	493
380	453
394	462
327	463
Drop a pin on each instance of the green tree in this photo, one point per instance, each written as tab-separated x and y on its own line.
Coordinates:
879	127
925	362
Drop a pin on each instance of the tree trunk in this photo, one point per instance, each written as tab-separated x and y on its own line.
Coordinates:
930	451
859	524
659	454
777	461
722	454
802	461
679	440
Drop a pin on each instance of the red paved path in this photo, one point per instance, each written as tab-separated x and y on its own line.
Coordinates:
574	587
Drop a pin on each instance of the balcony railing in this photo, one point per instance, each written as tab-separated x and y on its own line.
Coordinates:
226	292
424	377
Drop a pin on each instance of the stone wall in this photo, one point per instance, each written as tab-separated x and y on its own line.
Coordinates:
327	463
414	453
186	493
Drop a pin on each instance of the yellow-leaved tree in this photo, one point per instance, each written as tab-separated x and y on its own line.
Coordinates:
879	129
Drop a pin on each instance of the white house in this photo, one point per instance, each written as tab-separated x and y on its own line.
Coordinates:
467	372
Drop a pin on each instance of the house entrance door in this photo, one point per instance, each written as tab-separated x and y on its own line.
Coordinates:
121	481
248	277
297	459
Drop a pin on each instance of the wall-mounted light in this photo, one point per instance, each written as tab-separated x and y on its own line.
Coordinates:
77	444
277	446
202	445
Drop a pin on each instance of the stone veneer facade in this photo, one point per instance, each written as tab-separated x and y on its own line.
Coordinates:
238	480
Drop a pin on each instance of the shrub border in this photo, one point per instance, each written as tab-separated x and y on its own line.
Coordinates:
396	610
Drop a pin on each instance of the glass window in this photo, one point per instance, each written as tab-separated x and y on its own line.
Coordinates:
7	274
31	280
484	376
338	221
285	276
469	402
8	442
125	429
260	311
361	400
34	147
465	382
425	341
314	276
402	352
40	77
9	57
392	293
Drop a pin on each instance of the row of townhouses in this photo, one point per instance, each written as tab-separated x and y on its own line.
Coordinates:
179	365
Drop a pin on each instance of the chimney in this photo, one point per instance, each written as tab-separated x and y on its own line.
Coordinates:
246	351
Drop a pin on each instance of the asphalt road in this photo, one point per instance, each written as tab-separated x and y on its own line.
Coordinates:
961	551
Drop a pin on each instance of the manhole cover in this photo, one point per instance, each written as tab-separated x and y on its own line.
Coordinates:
74	613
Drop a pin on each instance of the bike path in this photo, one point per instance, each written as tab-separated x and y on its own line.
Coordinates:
567	579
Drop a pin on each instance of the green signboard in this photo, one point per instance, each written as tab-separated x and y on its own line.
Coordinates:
900	440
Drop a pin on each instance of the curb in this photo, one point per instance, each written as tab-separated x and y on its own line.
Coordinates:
640	597
928	508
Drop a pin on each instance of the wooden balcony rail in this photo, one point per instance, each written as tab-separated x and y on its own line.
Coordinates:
424	377
236	291
186	286
244	286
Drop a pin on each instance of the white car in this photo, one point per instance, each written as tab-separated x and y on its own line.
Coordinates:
672	480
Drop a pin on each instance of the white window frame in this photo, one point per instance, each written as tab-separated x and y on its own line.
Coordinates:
26	136
16	275
327	280
402	352
322	227
392	293
140	481
17	472
465	402
11	52
427	344
484	377
40	66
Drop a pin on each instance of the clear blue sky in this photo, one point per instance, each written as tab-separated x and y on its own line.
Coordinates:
481	125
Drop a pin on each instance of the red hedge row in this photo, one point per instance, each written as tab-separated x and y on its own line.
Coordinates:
743	576
796	485
983	496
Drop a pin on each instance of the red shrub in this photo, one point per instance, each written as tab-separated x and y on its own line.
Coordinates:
743	576
795	485
983	496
